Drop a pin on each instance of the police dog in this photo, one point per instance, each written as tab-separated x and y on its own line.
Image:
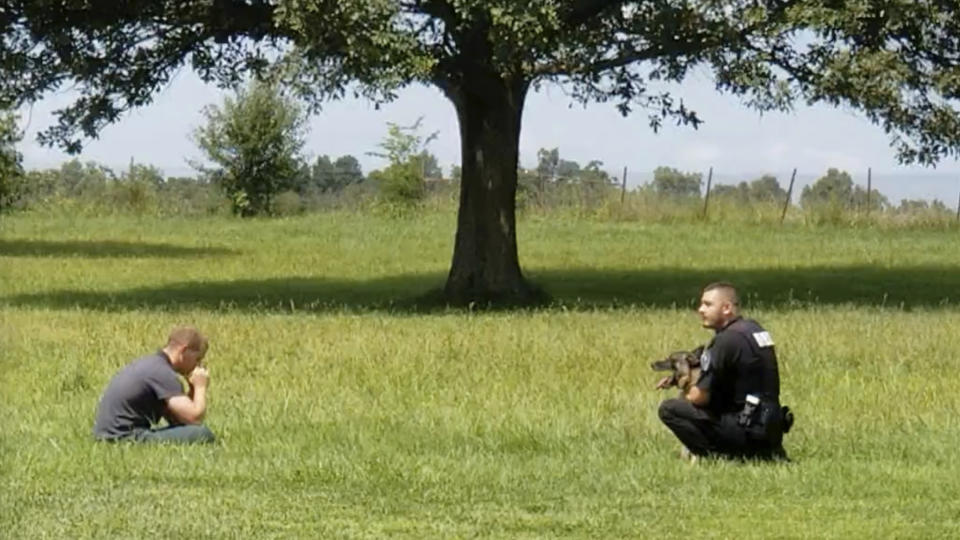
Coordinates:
685	366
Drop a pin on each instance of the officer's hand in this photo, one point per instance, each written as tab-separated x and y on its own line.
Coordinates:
199	377
666	382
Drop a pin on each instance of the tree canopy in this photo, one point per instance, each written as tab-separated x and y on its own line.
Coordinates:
895	61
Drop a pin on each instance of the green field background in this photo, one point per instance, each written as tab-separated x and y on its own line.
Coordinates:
347	406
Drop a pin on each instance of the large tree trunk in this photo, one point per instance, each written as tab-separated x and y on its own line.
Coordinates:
485	266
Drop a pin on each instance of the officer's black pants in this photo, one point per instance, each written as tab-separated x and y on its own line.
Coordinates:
705	434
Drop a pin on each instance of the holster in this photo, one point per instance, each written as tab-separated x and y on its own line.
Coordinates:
766	422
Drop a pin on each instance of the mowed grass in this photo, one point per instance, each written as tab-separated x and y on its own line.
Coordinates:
347	408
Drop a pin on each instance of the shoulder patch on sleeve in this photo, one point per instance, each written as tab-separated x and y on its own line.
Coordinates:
705	360
763	339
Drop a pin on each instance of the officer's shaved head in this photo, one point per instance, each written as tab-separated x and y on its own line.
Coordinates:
727	292
719	304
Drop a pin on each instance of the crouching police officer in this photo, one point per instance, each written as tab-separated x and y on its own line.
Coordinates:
734	409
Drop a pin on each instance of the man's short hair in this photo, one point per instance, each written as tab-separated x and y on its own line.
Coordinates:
189	336
727	289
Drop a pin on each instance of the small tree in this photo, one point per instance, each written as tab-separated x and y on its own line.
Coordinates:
547	163
403	180
255	139
430	166
567	171
11	170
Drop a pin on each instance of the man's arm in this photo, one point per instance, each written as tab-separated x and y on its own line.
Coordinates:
698	396
191	408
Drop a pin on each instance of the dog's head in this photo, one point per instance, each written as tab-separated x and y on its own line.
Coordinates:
680	362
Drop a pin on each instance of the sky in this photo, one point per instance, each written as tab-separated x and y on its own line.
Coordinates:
739	144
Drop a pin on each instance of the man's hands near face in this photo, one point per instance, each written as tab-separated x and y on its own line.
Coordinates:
199	377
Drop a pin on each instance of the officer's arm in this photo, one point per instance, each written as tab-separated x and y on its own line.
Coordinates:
698	396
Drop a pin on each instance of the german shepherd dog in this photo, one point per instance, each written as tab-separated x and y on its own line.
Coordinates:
685	366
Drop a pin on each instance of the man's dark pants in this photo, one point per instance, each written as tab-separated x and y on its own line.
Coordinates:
178	434
705	434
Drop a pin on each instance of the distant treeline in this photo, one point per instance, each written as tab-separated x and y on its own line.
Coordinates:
555	185
255	165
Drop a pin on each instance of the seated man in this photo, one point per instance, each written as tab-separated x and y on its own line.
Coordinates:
734	409
148	389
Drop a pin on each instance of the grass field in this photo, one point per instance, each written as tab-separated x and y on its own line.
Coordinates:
346	409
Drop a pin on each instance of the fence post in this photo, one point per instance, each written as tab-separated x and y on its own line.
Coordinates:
786	203
706	197
869	185
623	188
958	208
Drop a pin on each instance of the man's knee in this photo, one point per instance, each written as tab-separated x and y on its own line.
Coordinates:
202	434
181	434
191	434
673	408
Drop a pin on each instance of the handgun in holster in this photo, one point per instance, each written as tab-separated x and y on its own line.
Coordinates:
750	413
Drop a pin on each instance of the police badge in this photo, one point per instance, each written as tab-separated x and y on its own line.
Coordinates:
705	360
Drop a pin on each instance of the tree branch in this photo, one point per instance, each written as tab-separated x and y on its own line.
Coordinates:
583	10
629	57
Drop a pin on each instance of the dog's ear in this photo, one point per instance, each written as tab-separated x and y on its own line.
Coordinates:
695	354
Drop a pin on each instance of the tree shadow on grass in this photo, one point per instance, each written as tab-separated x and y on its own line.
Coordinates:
104	249
906	287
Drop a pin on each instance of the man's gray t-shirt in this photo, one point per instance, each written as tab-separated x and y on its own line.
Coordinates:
135	397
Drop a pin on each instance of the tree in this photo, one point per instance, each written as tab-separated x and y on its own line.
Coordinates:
90	178
872	202
834	188
673	183
567	171
895	61
322	176
736	192
146	174
404	179
348	170
328	176
766	189
547	163
255	140
11	168
920	206
763	189
593	175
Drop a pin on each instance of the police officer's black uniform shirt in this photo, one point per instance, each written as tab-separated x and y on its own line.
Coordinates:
739	360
